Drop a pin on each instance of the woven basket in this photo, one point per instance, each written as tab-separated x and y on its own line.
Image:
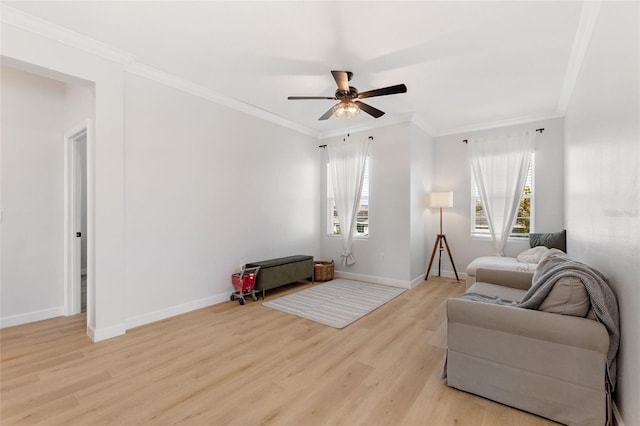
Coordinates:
323	271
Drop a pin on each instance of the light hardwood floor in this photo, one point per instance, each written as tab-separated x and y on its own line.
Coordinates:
246	365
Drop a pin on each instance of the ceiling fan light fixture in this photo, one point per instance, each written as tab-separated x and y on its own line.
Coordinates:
346	109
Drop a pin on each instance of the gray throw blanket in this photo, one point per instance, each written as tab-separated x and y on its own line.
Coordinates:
603	300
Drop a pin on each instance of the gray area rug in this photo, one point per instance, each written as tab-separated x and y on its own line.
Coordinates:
336	303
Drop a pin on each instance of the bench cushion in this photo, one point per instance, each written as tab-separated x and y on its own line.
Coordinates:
284	270
277	262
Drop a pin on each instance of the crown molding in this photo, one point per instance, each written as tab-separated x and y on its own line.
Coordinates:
420	122
500	123
586	25
413	118
389	120
17	18
187	86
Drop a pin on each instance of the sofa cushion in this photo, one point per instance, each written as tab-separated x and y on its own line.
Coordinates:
568	297
514	279
532	255
550	240
547	256
497	262
506	294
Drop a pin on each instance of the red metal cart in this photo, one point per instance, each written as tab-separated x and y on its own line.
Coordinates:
245	284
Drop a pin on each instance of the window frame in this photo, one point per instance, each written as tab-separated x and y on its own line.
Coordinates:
475	198
331	211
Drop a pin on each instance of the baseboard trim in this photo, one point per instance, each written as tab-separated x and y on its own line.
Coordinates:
34	316
449	274
100	334
418	280
160	314
616	415
373	279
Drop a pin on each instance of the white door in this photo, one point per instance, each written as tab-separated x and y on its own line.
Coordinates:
75	215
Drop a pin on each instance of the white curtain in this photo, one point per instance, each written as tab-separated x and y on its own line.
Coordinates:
500	165
346	165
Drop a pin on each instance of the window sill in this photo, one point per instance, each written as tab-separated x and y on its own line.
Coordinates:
355	237
488	238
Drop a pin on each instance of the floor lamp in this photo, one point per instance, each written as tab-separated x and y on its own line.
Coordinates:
441	200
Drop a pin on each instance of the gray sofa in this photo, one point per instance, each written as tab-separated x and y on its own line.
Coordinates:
546	363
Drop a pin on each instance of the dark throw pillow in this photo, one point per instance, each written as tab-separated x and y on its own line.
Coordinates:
550	240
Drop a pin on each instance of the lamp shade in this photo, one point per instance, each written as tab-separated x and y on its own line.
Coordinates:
441	199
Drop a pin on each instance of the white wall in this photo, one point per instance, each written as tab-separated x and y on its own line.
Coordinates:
32	187
106	163
603	178
207	189
34	116
266	216
386	255
421	234
253	207
453	173
80	103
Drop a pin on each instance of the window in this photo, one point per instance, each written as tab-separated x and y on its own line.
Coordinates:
362	217
524	218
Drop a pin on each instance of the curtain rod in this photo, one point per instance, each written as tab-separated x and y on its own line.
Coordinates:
325	145
537	130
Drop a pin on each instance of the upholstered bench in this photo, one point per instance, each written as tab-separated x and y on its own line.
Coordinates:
282	271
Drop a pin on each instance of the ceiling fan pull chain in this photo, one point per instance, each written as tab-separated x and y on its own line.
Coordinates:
348	132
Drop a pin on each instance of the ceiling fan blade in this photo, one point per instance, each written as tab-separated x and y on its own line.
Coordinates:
342	79
296	98
374	112
327	114
391	90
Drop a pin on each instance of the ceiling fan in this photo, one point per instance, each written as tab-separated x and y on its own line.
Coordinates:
348	107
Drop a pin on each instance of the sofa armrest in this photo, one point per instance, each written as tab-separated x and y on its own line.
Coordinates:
549	364
505	278
543	326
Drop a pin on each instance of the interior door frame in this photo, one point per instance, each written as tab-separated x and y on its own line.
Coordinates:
72	219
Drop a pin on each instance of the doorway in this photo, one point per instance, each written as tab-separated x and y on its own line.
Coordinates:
76	269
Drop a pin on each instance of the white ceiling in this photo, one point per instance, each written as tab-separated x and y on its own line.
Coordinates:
466	64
